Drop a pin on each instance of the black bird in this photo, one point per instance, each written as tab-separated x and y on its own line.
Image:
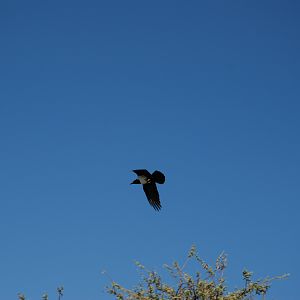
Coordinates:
149	185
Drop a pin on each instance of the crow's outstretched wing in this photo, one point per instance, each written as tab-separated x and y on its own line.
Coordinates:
151	192
158	177
142	172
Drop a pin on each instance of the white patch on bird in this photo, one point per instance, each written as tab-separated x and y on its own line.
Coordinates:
142	179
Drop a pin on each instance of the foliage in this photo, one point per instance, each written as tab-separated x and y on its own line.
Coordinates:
209	284
59	290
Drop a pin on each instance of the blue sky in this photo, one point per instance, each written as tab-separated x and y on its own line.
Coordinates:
205	91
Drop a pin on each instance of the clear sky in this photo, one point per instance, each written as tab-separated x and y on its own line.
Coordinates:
206	91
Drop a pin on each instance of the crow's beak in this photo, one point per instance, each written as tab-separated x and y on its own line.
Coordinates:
136	181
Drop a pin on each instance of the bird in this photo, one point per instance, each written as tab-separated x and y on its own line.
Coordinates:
149	185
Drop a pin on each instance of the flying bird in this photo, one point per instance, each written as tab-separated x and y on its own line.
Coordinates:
149	185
